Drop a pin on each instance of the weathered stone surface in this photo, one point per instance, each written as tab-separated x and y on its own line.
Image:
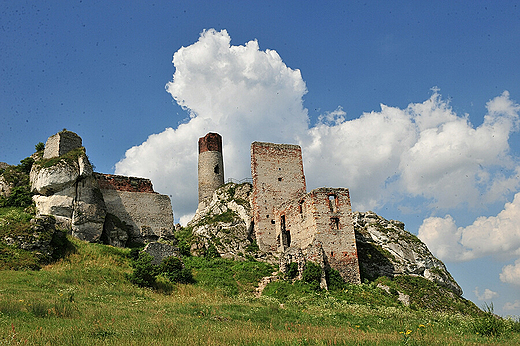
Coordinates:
58	204
5	187
61	143
48	180
386	249
115	232
226	223
89	212
149	216
39	238
160	251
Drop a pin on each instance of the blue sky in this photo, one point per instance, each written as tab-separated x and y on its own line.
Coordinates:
411	105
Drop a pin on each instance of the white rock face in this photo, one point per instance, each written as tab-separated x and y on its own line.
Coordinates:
69	191
5	187
225	222
49	180
386	249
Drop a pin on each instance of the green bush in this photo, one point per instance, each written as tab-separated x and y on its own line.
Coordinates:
334	279
40	146
145	272
173	269
311	273
489	324
292	271
211	252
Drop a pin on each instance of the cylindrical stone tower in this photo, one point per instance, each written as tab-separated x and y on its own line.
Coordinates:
211	166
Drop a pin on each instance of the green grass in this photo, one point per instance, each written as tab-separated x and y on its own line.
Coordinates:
85	299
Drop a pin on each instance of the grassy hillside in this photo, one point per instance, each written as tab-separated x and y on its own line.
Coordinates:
86	299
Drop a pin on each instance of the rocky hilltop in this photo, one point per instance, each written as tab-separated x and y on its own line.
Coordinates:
384	247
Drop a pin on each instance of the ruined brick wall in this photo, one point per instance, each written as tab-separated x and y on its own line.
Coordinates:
61	143
324	217
277	171
123	183
333	228
134	202
150	215
210	166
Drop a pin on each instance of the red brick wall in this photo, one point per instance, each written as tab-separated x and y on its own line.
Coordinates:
122	183
210	142
277	171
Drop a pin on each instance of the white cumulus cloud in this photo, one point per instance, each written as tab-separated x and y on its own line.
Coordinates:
247	94
509	306
511	273
486	295
498	234
241	92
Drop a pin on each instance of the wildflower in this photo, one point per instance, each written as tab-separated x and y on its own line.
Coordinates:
408	332
422	326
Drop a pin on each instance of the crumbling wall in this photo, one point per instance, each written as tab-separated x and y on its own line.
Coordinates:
123	183
61	143
320	223
277	171
210	166
148	214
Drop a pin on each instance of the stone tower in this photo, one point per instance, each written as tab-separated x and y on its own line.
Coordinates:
277	171
211	166
61	143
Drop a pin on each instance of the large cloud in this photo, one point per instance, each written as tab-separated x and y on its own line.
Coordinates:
246	94
238	91
498	234
511	273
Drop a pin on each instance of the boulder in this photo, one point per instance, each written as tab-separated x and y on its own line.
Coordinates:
160	251
49	180
89	210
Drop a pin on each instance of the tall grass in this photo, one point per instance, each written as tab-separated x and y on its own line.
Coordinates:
85	299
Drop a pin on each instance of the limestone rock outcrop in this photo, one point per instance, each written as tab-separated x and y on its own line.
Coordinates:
38	238
64	187
226	224
386	249
115	210
160	251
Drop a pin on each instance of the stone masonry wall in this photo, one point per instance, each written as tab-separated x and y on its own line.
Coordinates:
123	183
334	230
322	218
210	166
277	171
61	143
149	215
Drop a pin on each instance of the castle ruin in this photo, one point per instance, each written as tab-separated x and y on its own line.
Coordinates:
289	222
113	209
210	166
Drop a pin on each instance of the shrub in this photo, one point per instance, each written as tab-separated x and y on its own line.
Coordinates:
334	279
145	272
20	196
40	146
312	274
173	269
489	324
211	252
292	271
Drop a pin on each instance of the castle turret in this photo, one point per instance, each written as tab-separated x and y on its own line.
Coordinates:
211	166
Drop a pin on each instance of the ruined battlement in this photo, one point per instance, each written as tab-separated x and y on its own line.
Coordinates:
61	143
210	166
277	171
210	142
123	183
